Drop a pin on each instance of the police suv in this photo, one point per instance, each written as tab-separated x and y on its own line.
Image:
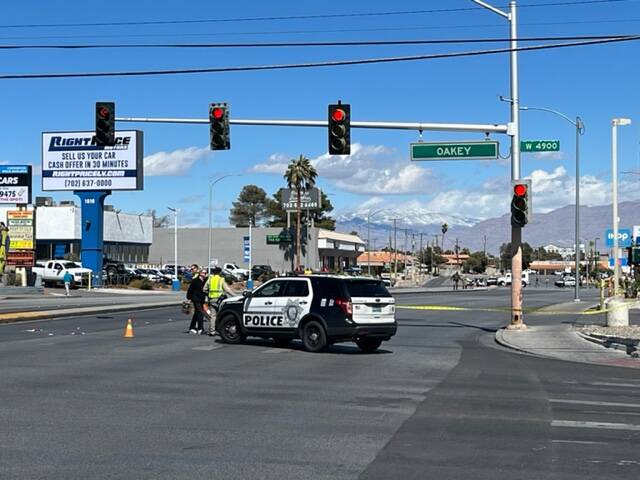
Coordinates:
318	309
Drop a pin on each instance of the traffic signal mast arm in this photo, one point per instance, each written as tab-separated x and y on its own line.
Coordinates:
419	126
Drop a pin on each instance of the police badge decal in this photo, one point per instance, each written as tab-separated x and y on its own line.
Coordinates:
292	311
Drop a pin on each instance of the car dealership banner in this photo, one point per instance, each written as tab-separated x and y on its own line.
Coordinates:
73	161
15	184
309	199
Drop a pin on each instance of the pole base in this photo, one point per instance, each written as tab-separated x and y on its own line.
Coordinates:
175	285
516	326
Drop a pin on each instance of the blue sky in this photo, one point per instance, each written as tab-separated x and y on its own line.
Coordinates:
597	82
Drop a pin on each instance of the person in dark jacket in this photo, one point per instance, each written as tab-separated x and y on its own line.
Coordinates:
198	298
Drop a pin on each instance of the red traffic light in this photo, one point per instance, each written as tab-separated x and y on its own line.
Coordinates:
520	189
338	115
217	113
103	112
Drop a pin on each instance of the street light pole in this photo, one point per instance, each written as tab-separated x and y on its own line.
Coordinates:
211	184
517	319
175	284
580	129
369	215
614	186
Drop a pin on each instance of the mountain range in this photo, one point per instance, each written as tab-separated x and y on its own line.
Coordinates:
555	227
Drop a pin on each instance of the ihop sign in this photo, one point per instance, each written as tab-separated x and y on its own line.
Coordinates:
624	237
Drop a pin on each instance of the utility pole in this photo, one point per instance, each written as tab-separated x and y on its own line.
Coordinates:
457	256
484	245
395	252
517	320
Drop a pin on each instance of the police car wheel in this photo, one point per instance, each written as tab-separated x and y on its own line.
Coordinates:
230	330
369	344
314	337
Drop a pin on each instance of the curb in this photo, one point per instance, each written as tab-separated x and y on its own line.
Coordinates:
627	345
15	317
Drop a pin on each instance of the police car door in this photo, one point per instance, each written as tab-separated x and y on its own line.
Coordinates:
296	302
262	306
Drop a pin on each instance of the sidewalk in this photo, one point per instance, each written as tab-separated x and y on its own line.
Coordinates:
567	341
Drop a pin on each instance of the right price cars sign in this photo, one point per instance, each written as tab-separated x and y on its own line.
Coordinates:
15	184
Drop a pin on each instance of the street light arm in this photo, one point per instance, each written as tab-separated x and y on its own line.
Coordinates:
492	8
576	123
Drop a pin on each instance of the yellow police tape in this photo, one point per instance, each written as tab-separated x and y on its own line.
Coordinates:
539	311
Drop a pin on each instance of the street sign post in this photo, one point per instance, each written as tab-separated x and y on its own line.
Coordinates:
482	150
535	146
624	237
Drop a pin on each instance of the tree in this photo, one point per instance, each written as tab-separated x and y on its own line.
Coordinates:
444	229
300	175
158	222
505	255
251	206
278	216
476	263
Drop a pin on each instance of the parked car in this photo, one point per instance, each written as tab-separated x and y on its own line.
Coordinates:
566	282
232	270
492	281
52	272
506	279
260	270
353	270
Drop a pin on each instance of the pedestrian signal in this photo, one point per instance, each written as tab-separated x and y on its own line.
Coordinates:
340	129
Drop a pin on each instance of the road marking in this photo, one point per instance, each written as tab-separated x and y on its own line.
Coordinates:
587	402
580	442
600	425
207	348
277	350
608	384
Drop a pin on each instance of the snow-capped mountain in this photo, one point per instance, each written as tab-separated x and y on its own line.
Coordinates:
414	217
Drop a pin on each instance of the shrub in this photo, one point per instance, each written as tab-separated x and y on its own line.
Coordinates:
144	284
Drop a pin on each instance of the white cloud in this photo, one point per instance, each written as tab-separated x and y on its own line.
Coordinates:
173	163
370	169
548	155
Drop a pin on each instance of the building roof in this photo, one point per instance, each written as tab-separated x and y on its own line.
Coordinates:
341	237
381	258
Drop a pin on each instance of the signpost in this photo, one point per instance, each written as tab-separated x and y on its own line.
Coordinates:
482	150
535	146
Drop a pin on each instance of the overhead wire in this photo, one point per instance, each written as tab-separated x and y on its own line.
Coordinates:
300	17
335	63
358	43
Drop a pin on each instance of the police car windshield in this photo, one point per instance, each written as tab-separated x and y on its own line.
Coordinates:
366	288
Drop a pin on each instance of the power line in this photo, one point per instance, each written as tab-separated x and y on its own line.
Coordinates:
290	66
359	43
300	17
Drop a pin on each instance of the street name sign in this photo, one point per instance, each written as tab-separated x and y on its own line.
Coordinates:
535	146
482	150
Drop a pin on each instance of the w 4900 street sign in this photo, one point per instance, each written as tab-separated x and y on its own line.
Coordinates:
482	150
540	146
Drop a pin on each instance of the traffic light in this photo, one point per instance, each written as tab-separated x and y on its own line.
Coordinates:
521	203
634	255
219	126
105	124
340	129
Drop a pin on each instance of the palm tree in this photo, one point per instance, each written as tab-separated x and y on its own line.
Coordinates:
300	175
444	229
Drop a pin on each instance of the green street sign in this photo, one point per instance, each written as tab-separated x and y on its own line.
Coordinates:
277	239
482	150
534	146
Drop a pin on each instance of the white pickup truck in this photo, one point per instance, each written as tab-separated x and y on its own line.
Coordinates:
52	272
235	271
506	279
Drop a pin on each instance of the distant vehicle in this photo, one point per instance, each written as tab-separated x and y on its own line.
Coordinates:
492	281
259	270
531	272
506	279
387	283
113	267
235	271
566	282
559	272
52	272
353	270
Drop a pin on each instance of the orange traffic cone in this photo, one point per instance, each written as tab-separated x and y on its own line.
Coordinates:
128	331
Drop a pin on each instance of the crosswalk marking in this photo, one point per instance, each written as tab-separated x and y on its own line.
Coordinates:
600	425
588	402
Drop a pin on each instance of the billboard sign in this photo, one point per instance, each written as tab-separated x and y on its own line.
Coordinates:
15	184
624	237
72	161
20	223
309	199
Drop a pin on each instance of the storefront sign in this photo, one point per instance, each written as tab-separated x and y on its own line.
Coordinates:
15	184
309	199
20	223
21	258
73	161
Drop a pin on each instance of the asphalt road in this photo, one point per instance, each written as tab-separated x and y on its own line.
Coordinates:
440	400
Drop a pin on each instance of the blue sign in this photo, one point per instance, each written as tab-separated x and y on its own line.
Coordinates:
14	169
624	237
623	262
246	249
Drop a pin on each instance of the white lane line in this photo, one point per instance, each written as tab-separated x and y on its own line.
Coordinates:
609	384
276	350
588	402
580	442
600	425
207	348
610	412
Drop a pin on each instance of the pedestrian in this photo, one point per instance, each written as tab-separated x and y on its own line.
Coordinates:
537	281
217	290
546	282
67	278
456	279
197	297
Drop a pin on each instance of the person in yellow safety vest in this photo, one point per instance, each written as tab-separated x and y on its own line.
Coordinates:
4	246
215	288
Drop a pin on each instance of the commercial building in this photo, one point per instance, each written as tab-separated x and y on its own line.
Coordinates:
127	237
321	249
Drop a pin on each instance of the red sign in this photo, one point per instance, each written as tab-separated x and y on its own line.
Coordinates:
21	258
